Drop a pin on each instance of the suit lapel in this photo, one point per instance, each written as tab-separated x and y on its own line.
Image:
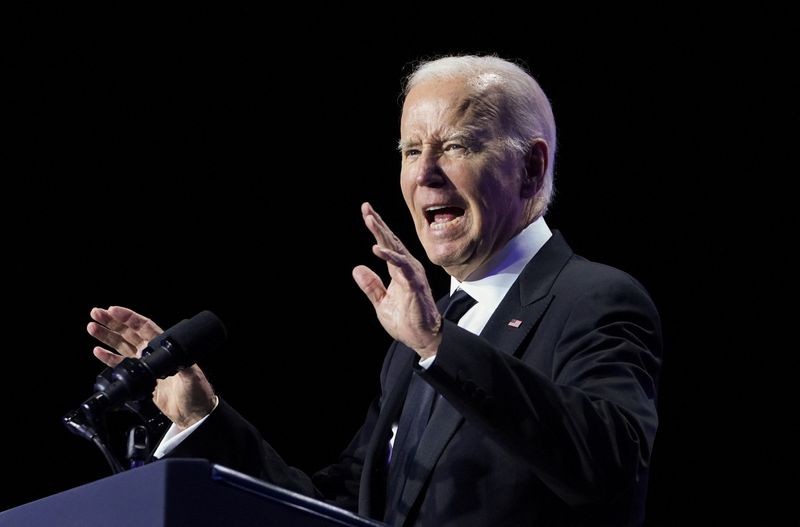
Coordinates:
372	487
523	306
444	423
512	321
526	302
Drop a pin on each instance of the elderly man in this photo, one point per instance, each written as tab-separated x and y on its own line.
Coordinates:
527	397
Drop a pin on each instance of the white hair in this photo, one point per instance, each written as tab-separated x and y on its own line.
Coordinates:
529	113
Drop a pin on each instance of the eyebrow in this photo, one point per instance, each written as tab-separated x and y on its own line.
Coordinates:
402	145
461	135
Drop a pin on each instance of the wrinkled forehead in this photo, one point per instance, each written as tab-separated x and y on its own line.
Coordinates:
441	107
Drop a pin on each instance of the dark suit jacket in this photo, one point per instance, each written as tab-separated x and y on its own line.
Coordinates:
548	423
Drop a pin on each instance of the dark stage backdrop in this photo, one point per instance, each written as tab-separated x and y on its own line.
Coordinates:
213	167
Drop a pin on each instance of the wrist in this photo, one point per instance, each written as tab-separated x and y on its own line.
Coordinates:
430	349
196	413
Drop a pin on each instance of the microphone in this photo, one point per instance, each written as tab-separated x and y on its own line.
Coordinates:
178	347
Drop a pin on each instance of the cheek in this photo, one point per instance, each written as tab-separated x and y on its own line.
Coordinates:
491	201
407	189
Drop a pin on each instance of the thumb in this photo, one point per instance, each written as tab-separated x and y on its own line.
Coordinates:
370	283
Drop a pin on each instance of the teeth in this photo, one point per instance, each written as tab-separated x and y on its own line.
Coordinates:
441	226
431	212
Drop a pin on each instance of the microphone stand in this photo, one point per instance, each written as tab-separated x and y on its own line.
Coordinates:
94	430
133	380
89	422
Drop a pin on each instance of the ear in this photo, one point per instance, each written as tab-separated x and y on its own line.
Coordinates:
535	168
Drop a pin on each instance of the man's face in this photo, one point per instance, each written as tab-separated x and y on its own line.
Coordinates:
460	182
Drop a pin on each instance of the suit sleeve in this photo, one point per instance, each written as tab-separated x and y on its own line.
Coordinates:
229	439
587	426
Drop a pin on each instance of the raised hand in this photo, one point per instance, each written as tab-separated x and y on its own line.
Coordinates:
406	308
185	397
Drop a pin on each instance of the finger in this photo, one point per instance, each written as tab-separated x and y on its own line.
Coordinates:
144	327
382	233
112	339
106	357
368	209
105	318
370	283
393	257
401	266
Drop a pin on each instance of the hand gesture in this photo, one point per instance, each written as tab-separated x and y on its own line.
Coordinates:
185	397
406	308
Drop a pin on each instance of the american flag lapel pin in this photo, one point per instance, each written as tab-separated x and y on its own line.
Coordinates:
515	323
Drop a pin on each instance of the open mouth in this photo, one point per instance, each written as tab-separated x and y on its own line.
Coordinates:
439	216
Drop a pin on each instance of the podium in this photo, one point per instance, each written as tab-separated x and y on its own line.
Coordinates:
180	492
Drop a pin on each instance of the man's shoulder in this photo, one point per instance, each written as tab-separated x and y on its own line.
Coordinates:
582	275
591	270
557	269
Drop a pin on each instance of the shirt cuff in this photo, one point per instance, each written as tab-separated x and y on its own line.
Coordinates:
175	435
426	363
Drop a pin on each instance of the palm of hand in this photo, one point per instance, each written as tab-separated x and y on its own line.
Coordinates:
408	311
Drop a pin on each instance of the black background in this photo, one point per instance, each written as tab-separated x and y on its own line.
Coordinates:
200	161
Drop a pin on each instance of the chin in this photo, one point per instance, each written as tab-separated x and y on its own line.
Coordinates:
445	256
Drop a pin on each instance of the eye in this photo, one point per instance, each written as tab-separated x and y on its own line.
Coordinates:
410	152
454	147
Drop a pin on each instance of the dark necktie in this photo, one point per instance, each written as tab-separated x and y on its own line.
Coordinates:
416	412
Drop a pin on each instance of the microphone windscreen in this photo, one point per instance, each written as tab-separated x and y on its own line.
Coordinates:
198	336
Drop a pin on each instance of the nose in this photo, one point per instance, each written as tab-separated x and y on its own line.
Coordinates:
430	171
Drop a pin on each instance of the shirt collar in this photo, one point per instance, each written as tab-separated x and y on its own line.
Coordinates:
499	273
